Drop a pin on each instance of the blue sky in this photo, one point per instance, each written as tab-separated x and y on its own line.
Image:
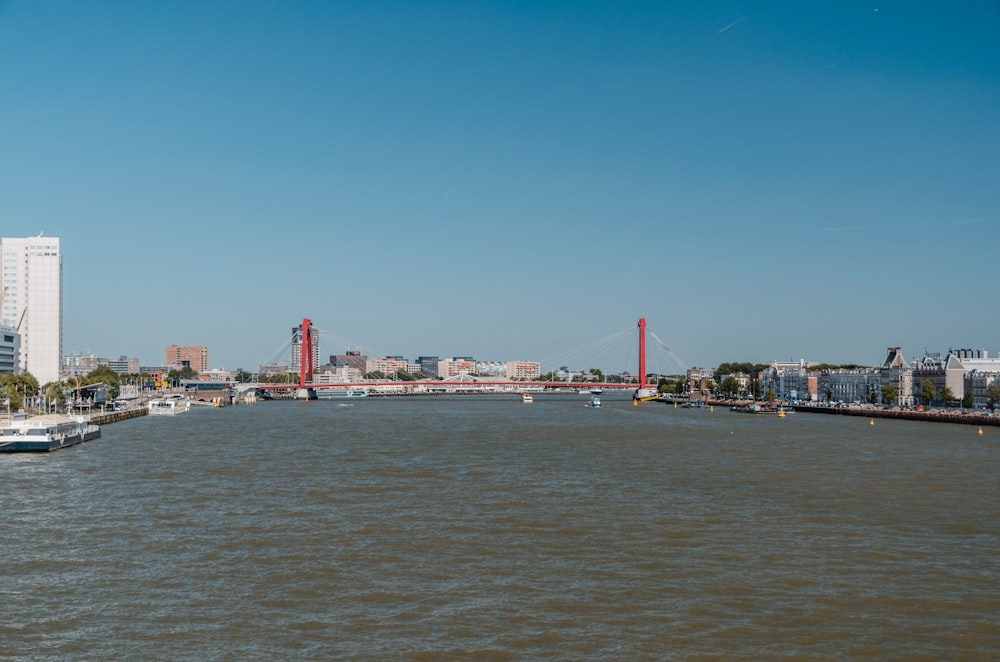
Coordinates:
510	180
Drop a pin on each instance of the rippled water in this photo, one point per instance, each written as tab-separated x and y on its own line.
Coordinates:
442	528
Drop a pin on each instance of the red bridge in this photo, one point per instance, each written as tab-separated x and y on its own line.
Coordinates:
307	386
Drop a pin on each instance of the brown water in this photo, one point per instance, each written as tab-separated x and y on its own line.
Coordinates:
444	528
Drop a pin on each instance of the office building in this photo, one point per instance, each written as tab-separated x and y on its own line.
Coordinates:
32	302
10	351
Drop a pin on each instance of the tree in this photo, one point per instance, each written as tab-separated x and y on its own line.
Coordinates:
890	394
769	395
243	376
187	372
992	395
597	373
17	387
102	374
55	393
729	386
946	395
927	392
967	400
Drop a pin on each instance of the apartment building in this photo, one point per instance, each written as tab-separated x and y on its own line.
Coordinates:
195	356
32	302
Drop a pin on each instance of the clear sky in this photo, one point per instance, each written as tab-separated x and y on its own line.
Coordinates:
510	180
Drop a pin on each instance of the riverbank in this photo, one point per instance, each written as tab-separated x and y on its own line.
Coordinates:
869	411
945	416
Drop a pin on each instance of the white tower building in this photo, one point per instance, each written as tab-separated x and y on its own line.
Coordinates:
32	301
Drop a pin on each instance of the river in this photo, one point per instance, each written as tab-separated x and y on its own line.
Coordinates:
437	528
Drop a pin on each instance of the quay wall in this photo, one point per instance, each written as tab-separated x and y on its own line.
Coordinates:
115	416
905	415
934	417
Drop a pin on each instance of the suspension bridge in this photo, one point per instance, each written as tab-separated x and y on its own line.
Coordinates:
307	388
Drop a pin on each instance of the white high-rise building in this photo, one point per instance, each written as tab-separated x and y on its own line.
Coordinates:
32	301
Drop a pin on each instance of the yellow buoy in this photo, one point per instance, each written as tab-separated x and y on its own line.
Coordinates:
871	421
711	408
980	430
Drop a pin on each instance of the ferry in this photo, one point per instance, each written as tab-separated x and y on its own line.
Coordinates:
41	434
168	406
337	393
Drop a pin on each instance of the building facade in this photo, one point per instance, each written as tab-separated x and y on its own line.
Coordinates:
841	385
524	370
10	351
195	356
897	373
32	302
388	366
455	366
788	381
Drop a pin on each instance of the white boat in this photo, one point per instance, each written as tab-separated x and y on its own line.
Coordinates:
45	433
337	393
168	406
594	402
645	394
527	397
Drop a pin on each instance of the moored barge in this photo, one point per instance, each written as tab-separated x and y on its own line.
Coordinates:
40	434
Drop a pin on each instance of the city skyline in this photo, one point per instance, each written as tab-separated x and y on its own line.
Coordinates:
759	182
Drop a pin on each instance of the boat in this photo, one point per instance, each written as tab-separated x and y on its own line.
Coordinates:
338	393
754	408
594	402
644	394
40	434
527	397
596	391
168	406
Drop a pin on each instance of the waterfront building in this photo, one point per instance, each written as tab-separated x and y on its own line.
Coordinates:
491	368
429	364
699	380
952	371
843	385
388	366
194	356
218	375
978	383
282	368
123	365
338	373
962	363
896	372
10	351
77	365
930	368
788	380
456	366
523	370
32	302
352	358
